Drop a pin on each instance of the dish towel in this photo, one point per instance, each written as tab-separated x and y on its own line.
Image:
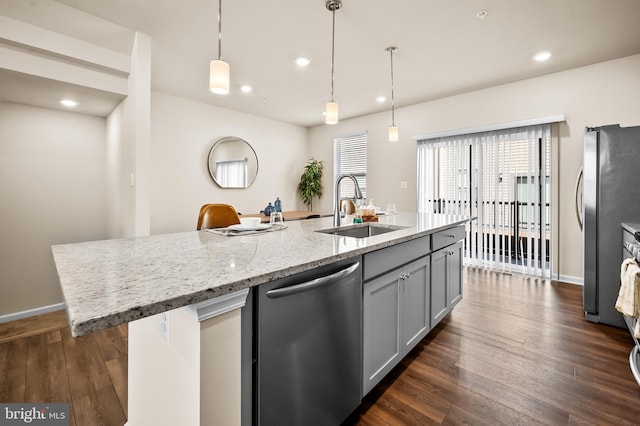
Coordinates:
628	302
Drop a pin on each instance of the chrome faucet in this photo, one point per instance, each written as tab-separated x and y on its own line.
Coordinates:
336	212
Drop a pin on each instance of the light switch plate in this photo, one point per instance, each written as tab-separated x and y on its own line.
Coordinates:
403	184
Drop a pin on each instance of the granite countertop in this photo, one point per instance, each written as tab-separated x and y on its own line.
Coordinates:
110	282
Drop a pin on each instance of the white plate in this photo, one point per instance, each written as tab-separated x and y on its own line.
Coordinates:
242	227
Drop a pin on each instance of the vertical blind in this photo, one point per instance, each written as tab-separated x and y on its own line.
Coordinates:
350	157
503	178
232	173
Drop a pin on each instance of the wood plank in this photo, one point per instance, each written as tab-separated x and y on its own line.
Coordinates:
112	342
85	366
99	407
32	326
117	369
13	370
46	378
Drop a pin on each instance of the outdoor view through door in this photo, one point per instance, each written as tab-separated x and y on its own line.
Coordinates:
503	178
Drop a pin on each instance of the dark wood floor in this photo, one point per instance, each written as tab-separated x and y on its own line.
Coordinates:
41	362
515	351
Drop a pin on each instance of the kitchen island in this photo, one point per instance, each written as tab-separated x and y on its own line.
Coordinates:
201	278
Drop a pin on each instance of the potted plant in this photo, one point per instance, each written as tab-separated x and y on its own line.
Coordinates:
311	182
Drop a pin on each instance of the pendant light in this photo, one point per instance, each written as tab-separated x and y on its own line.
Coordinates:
219	69
393	129
331	111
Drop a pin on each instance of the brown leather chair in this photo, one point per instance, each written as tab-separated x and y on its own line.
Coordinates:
217	216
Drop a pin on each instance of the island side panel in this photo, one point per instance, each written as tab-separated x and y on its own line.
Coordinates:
164	375
220	386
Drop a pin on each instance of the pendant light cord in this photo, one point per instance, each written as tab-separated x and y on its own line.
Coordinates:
393	111
219	29
333	44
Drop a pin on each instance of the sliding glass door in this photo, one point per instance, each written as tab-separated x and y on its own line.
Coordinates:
504	179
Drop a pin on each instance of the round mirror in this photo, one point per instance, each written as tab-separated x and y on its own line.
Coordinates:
233	163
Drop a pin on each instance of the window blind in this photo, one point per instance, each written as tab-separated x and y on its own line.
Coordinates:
351	158
502	177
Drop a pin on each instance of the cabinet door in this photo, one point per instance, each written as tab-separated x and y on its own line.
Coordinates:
381	328
439	298
414	289
454	273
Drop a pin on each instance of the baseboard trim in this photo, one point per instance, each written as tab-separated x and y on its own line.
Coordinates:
570	279
31	312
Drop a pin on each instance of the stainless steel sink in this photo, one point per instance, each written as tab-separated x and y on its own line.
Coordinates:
361	230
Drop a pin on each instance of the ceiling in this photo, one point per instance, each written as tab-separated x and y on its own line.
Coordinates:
444	48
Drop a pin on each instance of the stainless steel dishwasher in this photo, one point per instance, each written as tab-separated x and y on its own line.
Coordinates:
308	346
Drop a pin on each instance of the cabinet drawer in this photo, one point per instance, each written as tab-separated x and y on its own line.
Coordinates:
386	259
447	237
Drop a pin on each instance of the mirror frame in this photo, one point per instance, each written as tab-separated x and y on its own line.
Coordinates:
211	158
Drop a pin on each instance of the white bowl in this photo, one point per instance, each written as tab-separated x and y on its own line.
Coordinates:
250	221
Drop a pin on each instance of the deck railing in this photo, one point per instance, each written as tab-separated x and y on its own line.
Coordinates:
510	229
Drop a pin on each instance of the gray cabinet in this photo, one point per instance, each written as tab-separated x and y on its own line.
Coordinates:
446	281
395	318
439	298
414	291
454	270
380	328
406	292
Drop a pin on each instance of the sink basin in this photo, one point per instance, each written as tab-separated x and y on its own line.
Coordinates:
361	231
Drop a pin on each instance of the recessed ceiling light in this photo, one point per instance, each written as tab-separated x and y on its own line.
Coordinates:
246	88
380	99
482	14
302	61
69	103
542	56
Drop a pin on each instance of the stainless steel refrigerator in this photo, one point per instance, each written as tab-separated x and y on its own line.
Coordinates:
610	196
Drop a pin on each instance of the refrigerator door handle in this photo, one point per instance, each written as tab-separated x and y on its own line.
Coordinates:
579	198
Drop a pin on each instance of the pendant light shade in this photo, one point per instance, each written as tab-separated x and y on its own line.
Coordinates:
331	111
219	69
393	133
393	129
219	77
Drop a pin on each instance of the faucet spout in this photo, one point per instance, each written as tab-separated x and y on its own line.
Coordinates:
358	193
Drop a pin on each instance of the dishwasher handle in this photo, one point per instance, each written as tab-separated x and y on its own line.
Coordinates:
308	285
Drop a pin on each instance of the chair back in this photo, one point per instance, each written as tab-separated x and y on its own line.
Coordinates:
217	216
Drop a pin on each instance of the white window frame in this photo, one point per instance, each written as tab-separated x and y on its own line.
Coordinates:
356	165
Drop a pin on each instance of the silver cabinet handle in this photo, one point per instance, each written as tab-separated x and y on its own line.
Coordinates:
451	236
309	285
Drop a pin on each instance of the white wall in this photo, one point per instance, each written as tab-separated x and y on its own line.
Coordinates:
128	150
182	133
52	191
606	93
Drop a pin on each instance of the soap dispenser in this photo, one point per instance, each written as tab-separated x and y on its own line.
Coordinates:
277	204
